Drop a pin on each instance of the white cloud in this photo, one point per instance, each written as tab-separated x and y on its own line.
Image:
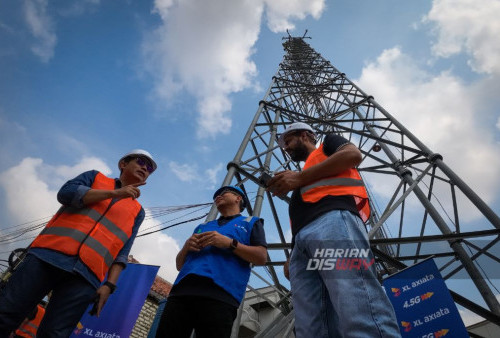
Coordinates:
42	28
190	173
279	12
78	7
184	172
31	186
24	188
469	317
13	137
442	112
157	249
65	172
470	26
162	7
205	48
211	175
288	235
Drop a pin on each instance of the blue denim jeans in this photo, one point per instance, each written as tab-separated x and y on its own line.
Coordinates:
33	280
335	290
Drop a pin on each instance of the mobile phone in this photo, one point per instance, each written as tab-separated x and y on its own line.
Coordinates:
264	178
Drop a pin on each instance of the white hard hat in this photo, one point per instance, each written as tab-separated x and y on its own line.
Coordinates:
294	127
139	152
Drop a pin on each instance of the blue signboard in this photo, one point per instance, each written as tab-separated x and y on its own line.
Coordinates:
120	313
424	307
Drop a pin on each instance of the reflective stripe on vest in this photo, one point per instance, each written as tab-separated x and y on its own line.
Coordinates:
22	332
348	182
97	217
80	237
30	328
95	233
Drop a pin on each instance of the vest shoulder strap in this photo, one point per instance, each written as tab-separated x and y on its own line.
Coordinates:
251	219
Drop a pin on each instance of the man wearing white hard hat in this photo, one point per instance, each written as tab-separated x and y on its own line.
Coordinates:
340	297
86	243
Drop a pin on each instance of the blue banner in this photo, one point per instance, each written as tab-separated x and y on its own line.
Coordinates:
120	313
424	307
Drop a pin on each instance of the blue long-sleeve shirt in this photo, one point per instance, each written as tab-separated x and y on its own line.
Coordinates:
71	194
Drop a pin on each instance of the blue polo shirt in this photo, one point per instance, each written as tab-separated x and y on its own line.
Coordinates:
201	286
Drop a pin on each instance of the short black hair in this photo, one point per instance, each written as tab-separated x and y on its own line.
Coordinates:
126	160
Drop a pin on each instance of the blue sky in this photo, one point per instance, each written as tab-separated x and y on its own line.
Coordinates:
82	82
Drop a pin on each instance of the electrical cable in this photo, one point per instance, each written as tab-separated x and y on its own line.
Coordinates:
375	204
482	270
19	234
154	212
18	225
204	206
20	240
170	226
8	238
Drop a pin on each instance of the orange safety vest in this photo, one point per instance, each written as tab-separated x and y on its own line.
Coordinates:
348	182
96	233
29	329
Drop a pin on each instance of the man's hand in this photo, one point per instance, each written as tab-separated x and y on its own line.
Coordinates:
130	190
193	243
96	195
215	239
103	293
283	182
286	269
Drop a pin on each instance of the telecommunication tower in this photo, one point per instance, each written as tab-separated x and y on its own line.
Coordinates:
423	210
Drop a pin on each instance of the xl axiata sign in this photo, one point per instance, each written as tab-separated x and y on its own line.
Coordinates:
423	304
120	313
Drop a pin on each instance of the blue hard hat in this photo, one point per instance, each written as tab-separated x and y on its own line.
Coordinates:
235	189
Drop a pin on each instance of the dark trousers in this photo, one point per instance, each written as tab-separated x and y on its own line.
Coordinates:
29	284
208	317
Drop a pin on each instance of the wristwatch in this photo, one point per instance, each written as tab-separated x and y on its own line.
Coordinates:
111	286
233	244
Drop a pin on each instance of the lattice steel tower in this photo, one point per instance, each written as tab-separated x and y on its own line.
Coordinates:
427	211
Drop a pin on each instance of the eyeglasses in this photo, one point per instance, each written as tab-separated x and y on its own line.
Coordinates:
143	162
226	191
